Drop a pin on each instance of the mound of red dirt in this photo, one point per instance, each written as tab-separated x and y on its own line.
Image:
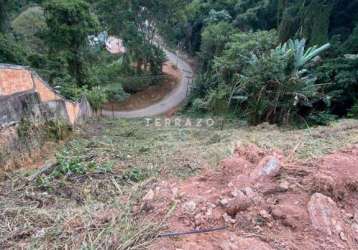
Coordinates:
264	201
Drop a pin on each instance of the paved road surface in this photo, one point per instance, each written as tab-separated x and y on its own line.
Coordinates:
171	101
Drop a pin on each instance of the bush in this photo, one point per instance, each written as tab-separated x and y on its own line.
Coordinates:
199	105
353	113
276	87
268	92
240	48
27	25
217	100
11	51
97	96
116	92
214	39
57	130
229	53
340	79
135	175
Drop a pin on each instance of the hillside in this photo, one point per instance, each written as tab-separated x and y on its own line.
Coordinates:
179	124
117	184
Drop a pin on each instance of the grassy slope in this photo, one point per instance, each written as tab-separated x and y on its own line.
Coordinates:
116	162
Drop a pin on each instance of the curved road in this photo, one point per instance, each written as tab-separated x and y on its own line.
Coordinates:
171	101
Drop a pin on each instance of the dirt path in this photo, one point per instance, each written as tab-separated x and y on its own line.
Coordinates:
173	100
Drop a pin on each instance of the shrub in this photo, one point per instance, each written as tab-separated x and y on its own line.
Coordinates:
97	96
214	39
28	24
135	175
340	78
217	100
199	105
239	49
57	130
11	51
274	88
353	113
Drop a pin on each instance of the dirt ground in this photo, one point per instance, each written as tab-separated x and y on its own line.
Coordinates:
124	184
265	202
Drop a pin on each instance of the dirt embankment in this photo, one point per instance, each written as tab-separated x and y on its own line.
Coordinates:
265	201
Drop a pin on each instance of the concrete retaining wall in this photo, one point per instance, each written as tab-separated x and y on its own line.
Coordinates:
25	105
25	96
16	80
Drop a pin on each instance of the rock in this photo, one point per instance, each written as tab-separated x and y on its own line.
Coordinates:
199	219
251	194
224	202
290	215
269	188
175	192
284	186
270	166
337	175
264	214
240	203
343	236
235	165
235	193
228	219
355	231
149	196
324	215
189	207
349	216
40	233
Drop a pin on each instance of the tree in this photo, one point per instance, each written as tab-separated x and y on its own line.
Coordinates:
26	27
10	51
137	23
214	39
276	87
256	14
316	27
4	9
69	23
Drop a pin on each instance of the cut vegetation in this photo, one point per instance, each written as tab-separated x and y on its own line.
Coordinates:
94	196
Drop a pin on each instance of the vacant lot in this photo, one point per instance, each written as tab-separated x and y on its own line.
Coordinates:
92	195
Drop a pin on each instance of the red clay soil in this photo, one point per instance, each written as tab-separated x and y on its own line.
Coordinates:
265	201
151	95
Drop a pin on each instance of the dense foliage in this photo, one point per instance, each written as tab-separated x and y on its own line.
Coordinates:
52	36
242	69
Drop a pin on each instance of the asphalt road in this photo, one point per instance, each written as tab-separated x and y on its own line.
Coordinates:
171	101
